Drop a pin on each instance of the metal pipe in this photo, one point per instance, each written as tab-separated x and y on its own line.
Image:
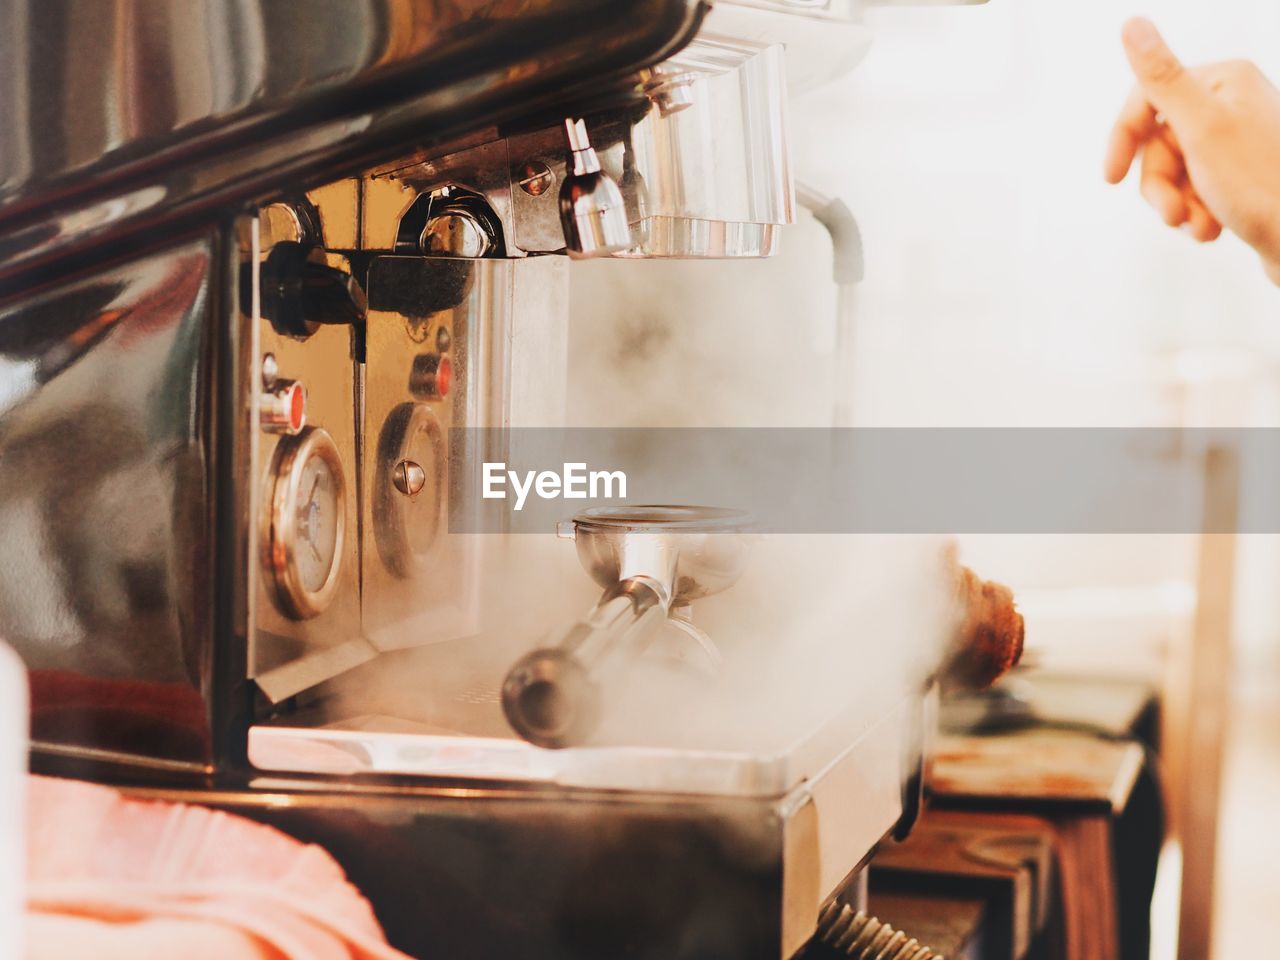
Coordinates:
848	270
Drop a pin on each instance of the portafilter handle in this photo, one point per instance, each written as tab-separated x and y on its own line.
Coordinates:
652	560
551	697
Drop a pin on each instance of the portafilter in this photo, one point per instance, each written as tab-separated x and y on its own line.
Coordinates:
652	561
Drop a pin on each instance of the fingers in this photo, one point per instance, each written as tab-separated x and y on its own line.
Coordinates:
1166	187
1201	224
1168	85
1168	102
1162	178
1133	128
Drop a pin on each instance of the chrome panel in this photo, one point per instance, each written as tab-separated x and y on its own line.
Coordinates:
236	98
285	654
506	334
105	500
500	323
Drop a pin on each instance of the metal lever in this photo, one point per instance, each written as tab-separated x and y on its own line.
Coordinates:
300	291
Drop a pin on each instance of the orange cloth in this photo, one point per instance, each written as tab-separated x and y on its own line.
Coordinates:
110	877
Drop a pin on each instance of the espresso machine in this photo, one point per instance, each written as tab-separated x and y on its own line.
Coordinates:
275	279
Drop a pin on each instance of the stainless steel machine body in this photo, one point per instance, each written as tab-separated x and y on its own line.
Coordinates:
258	263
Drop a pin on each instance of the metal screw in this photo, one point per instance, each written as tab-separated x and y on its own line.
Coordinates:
270	370
536	178
409	478
851	933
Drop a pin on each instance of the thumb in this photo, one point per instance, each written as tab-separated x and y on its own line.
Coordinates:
1171	89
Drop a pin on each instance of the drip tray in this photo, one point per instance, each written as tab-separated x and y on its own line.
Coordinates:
374	744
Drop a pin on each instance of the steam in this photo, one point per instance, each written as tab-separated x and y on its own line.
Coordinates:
818	626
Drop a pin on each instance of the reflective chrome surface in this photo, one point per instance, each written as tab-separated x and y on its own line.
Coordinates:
692	552
689	238
592	211
504	322
447	342
107	567
725	158
455	234
239	98
295	637
309	496
669	87
711	179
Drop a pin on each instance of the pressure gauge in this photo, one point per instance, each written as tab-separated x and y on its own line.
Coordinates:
308	516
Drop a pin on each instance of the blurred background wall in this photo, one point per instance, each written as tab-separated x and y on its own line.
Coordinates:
1008	284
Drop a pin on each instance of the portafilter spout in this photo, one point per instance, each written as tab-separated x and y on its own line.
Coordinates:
651	562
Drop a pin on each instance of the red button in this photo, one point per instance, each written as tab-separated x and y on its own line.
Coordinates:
284	408
298	408
444	377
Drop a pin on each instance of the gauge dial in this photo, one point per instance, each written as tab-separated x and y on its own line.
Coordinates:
307	523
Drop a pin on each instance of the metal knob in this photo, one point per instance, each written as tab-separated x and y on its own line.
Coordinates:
431	377
671	91
989	640
456	233
409	478
300	291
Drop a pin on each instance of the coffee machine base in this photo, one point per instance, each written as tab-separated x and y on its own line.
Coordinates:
544	874
484	867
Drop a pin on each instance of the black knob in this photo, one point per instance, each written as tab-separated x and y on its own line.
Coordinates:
300	291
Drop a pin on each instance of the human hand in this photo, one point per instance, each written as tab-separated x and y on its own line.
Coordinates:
1210	144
